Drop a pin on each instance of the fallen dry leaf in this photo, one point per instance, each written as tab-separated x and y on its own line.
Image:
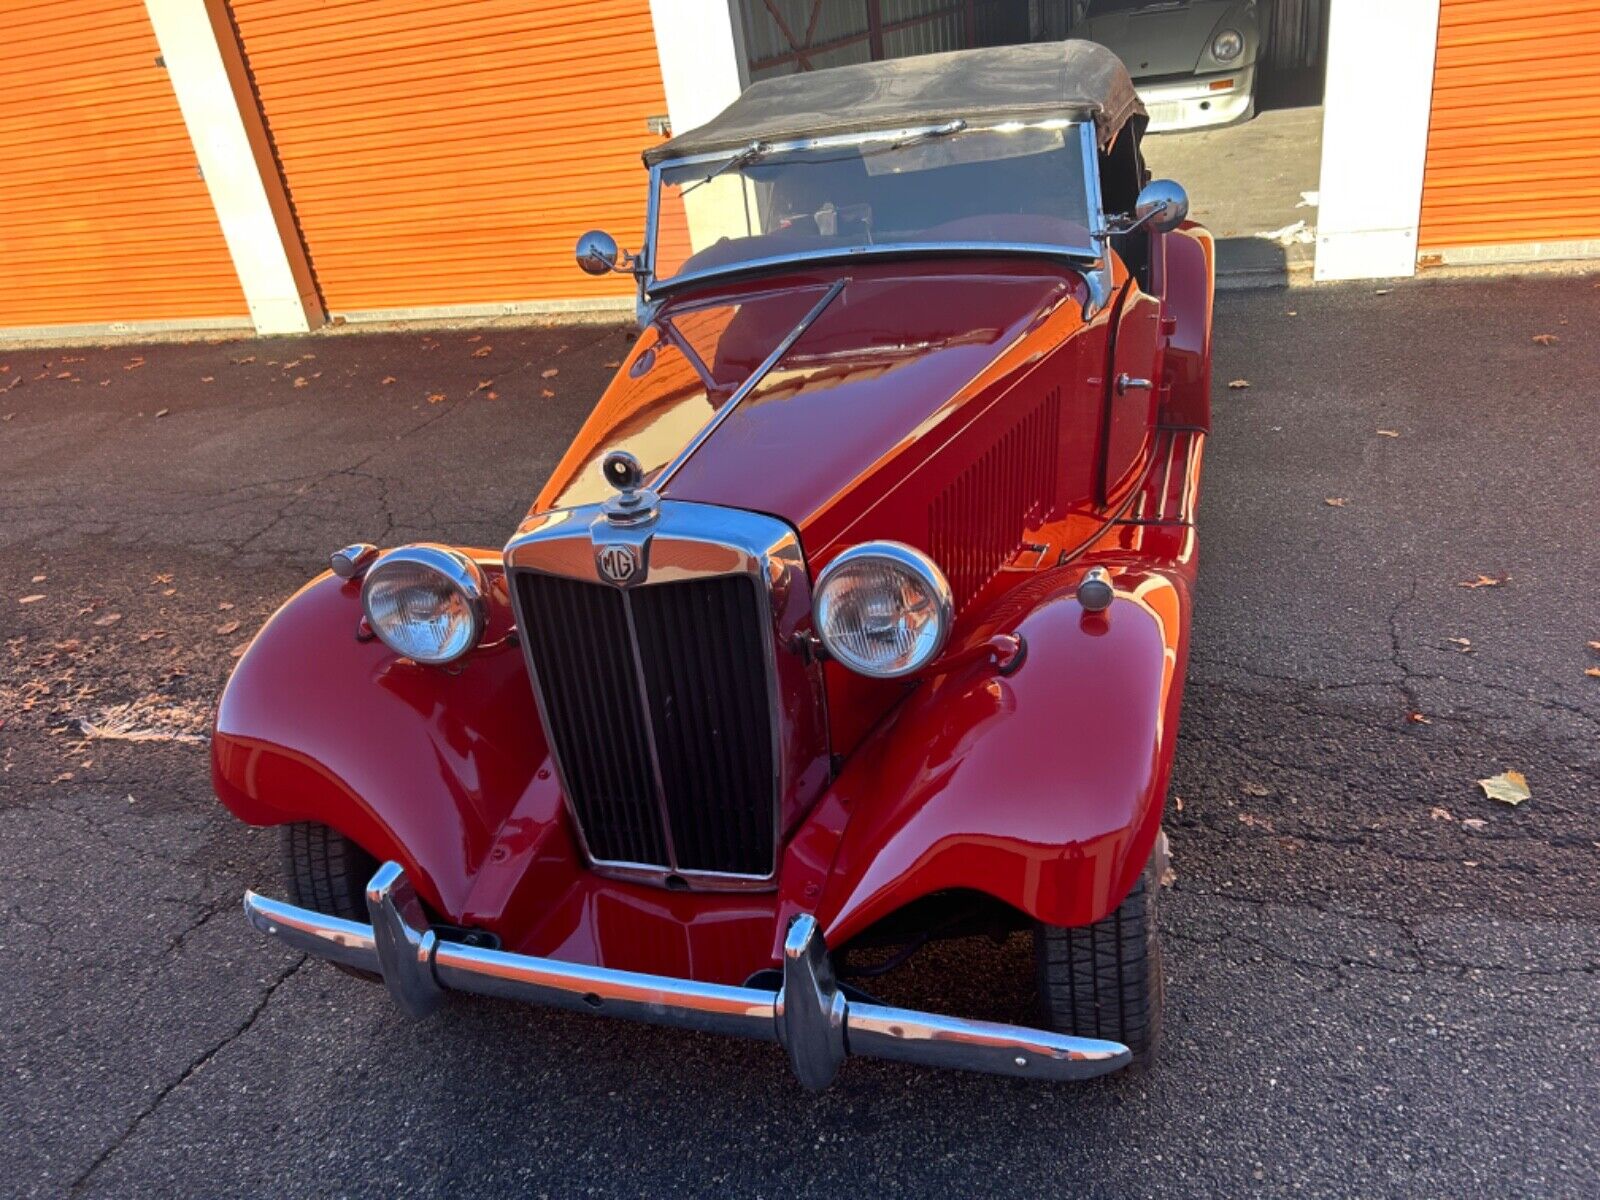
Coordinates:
546	393
1388	433
1463	644
109	619
239	649
64	375
1509	787
38	579
1484	581
617	363
1291	313
491	395
1592	672
161	412
436	398
1594	645
208	379
1177	802
1236	384
169	591
1440	814
483	385
483	352
477	337
1546	339
299	381
1169	877
134	364
387	380
34	599
1417	718
1335	501
1256	789
225	629
1474	823
225	605
550	374
248	358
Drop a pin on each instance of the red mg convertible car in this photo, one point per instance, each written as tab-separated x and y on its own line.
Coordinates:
855	616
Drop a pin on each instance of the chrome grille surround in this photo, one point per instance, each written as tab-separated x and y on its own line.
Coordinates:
684	541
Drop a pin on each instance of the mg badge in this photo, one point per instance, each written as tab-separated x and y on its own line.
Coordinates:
618	563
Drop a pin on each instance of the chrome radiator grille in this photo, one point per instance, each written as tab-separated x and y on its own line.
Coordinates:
659	708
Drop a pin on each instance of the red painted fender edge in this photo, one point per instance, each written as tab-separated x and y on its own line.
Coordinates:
415	763
1044	790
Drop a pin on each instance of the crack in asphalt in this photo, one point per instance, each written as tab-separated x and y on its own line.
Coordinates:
196	1064
1422	960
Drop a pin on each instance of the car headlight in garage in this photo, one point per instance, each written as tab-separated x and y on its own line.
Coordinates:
426	602
1227	45
883	609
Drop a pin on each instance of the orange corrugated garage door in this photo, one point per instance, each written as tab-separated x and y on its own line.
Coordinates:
103	214
448	152
1514	136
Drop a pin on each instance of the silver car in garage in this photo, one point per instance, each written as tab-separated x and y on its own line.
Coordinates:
1193	61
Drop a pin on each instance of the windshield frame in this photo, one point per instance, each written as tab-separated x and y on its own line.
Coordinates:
1092	256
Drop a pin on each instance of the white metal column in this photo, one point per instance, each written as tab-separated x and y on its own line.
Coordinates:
1375	136
230	139
703	64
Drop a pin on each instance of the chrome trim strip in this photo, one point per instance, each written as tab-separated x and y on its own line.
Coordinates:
810	1017
1099	277
749	385
1072	254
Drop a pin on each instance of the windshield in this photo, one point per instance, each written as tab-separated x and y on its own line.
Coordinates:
1019	185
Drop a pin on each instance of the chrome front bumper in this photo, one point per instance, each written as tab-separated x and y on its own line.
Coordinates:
808	1016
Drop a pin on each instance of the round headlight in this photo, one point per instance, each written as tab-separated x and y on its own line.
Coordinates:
1227	45
883	609
426	602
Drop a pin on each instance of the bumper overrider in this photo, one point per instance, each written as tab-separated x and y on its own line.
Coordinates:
809	1016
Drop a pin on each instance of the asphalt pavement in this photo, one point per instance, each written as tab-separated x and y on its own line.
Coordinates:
1380	982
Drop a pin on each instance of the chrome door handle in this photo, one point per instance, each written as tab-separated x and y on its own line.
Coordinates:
1127	383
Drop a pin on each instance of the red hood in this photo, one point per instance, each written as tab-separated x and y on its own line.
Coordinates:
889	365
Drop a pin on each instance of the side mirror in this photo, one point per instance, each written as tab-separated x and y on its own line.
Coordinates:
597	252
1162	204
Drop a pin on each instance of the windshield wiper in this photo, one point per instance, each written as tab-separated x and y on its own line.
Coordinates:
754	152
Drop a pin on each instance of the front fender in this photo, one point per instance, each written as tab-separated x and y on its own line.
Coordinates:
1044	790
419	764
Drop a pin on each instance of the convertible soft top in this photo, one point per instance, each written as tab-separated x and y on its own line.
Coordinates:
1040	79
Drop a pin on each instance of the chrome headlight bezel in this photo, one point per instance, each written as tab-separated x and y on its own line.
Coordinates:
1238	44
899	558
456	571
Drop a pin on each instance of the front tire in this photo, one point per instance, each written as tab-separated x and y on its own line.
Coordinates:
1104	980
325	871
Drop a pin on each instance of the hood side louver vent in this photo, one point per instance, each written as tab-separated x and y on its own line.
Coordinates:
976	525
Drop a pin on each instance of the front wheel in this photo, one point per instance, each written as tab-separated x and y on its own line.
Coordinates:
1104	980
